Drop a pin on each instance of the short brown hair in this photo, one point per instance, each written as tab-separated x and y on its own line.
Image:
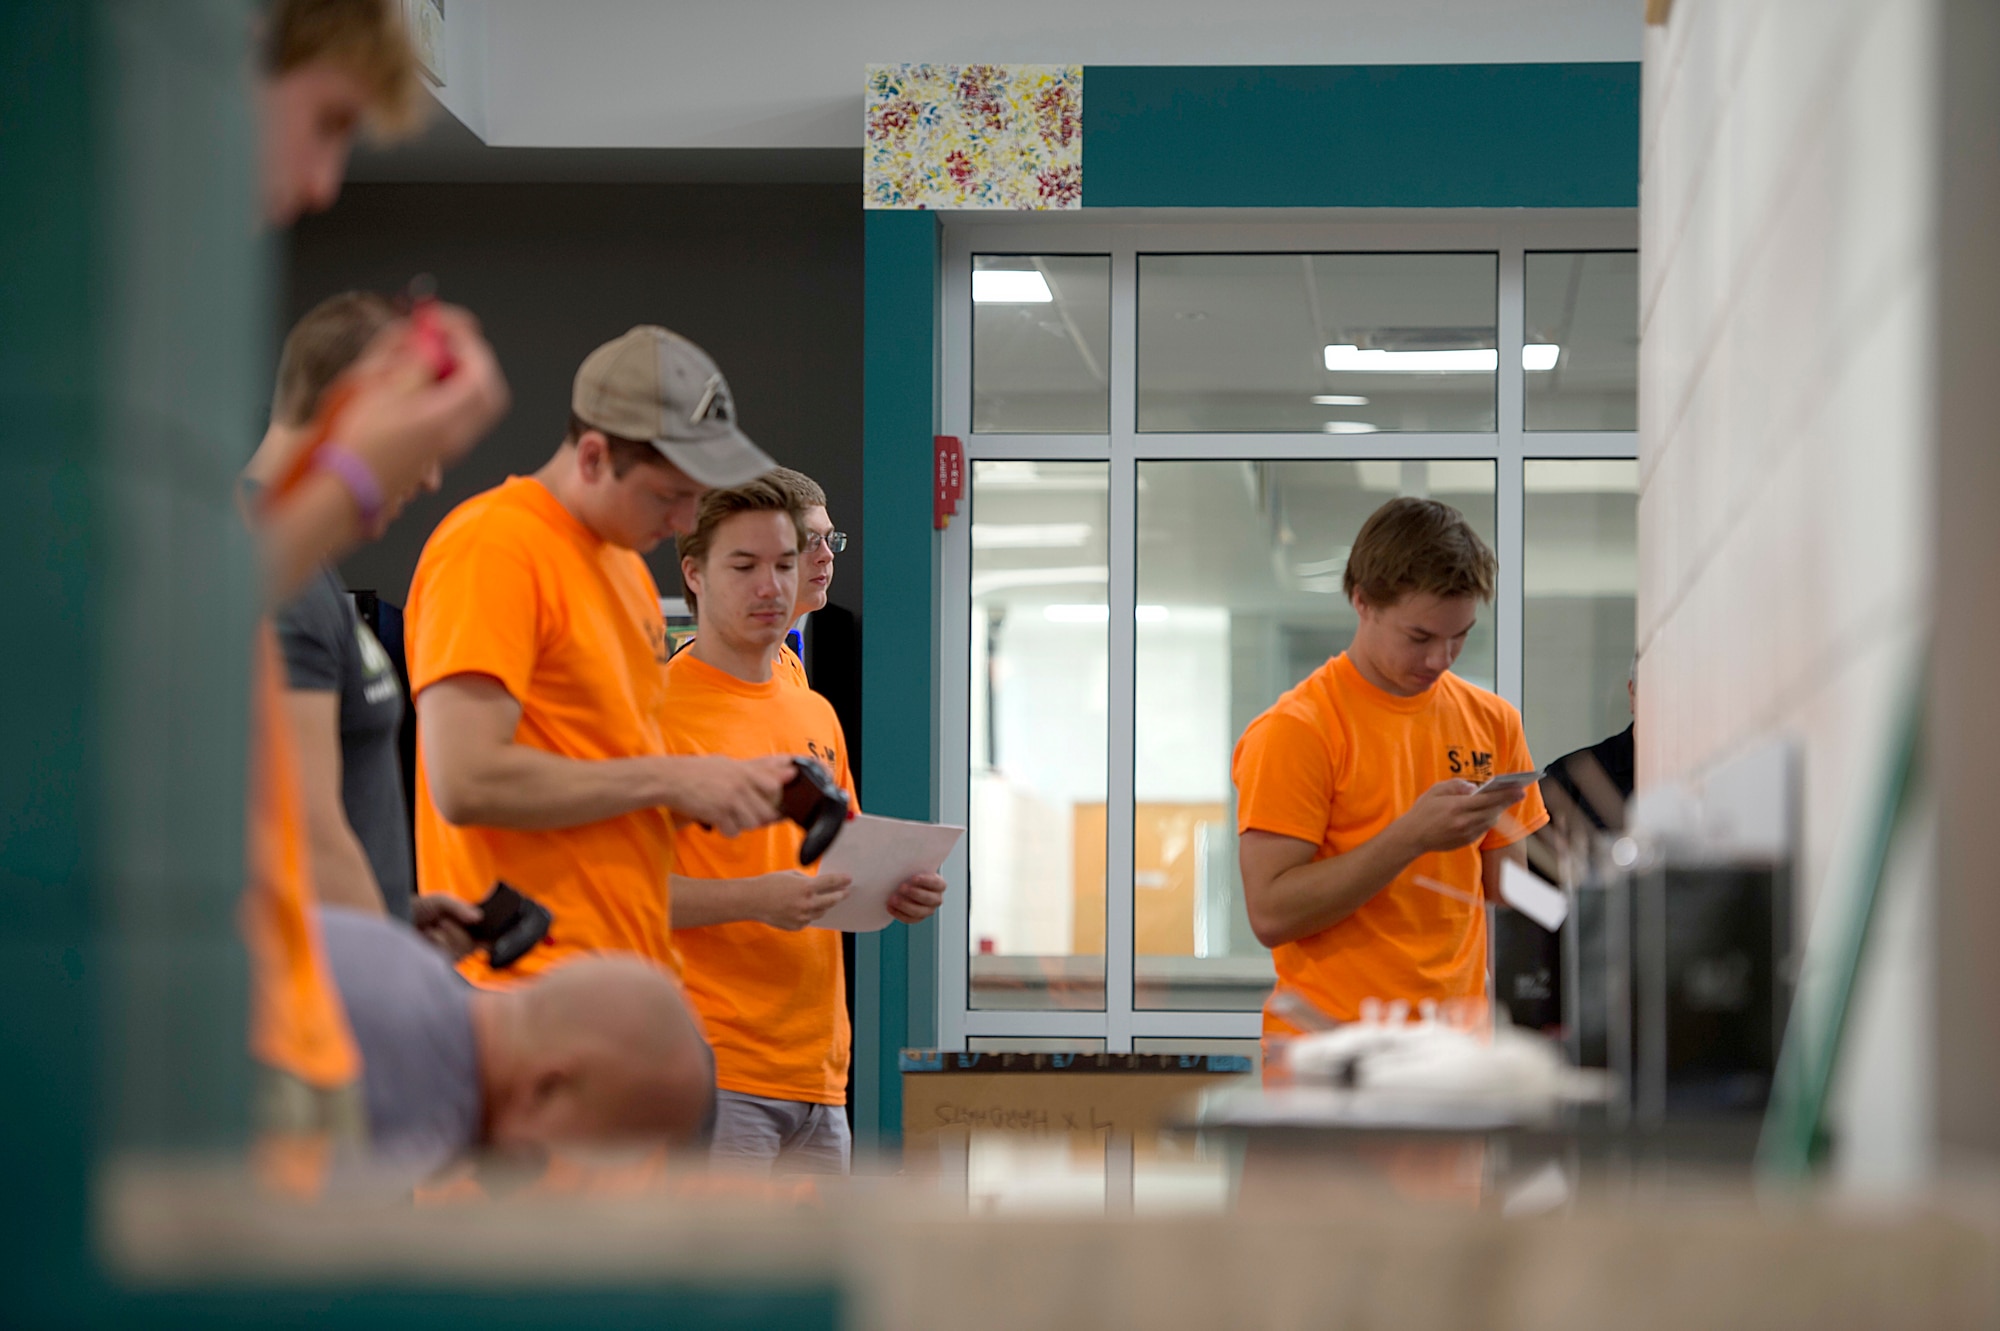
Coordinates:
1418	545
762	495
368	38
330	337
625	453
804	489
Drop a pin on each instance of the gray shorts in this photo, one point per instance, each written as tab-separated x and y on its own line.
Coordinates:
758	1135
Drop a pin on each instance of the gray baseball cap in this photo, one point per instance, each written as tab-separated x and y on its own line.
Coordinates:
655	385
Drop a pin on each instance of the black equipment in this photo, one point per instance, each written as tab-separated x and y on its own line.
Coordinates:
510	925
814	802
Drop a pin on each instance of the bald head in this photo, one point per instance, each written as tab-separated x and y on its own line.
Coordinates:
600	1050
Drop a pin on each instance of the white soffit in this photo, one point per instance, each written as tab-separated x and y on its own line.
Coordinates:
788	73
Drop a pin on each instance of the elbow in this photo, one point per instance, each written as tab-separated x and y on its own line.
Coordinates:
1268	934
1267	930
456	799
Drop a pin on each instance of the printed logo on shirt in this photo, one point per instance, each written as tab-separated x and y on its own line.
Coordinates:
1471	764
826	753
656	637
378	672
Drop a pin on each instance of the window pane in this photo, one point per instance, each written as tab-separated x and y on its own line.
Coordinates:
1040	672
1340	343
1041	343
1585	307
1239	598
1580	575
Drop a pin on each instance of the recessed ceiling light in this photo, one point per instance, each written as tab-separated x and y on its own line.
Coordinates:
1338	400
1343	357
1349	427
1076	614
1099	613
1028	535
1010	286
1540	356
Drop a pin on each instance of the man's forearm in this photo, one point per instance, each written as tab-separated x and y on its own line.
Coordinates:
698	902
1303	900
530	790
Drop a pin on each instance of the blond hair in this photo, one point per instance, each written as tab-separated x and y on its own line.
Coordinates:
804	489
1418	545
762	495
330	337
367	38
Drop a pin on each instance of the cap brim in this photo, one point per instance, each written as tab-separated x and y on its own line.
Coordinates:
724	461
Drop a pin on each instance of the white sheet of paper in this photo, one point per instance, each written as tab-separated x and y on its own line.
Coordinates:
1522	889
878	854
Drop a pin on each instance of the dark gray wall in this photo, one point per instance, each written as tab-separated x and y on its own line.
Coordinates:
766	277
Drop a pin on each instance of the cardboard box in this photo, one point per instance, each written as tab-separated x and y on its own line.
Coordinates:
1054	1094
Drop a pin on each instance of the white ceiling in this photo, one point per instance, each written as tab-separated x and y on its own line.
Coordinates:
788	73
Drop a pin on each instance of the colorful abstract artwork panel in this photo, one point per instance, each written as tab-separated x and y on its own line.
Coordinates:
974	136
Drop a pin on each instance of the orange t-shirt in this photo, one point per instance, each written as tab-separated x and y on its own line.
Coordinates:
513	587
1334	762
770	998
297	1024
790	668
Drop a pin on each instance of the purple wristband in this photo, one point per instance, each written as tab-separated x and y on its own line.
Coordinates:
353	473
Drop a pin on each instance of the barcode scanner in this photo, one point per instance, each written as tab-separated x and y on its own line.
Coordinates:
814	802
510	925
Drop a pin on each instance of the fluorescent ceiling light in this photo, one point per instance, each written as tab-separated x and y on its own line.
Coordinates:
1540	356
1010	286
1076	614
1348	427
1028	535
1347	358
1100	613
1338	400
988	582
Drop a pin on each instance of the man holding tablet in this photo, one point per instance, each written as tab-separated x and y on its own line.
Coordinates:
767	984
1367	844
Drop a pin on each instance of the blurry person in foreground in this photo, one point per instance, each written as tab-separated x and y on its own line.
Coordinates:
344	698
324	68
602	1051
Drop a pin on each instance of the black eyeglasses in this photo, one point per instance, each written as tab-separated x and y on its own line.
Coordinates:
834	541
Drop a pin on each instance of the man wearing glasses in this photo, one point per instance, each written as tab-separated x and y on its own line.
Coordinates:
815	566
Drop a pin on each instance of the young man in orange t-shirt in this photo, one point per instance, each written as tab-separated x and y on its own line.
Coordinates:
767	984
325	68
537	652
1366	848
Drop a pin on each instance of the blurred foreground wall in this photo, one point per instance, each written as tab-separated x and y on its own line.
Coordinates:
1790	292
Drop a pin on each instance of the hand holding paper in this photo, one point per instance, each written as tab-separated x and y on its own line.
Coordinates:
879	855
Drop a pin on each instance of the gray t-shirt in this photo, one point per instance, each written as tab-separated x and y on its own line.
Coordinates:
412	1019
329	650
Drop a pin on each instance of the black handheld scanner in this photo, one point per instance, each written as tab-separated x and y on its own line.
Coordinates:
510	925
814	802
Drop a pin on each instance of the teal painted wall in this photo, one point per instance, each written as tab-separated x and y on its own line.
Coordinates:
1362	136
899	640
134	363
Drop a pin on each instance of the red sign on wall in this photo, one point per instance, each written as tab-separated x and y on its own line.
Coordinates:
948	479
